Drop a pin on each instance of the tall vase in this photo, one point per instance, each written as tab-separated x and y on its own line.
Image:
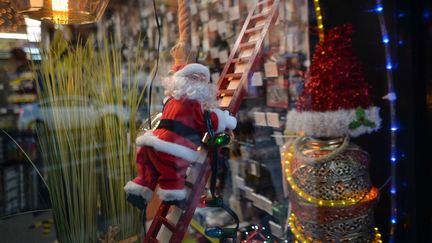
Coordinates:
331	194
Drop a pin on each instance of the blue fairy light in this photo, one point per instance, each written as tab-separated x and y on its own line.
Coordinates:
401	14
379	8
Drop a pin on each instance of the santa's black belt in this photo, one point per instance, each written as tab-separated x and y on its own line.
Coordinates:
181	129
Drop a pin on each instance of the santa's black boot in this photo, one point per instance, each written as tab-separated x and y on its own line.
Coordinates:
178	203
137	201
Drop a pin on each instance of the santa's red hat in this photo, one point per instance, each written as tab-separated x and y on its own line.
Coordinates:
336	100
193	68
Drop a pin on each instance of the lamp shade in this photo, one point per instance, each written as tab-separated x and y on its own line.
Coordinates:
62	11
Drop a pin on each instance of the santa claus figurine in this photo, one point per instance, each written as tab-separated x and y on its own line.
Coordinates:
168	150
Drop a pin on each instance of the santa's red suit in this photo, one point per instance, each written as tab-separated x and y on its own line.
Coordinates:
167	151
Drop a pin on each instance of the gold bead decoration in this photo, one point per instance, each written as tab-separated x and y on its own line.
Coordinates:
289	154
300	237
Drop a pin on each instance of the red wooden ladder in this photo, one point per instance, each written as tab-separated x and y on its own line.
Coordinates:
245	55
232	87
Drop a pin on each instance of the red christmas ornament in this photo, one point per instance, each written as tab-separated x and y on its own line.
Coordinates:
336	76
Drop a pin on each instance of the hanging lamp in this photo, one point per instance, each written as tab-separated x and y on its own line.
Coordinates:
62	11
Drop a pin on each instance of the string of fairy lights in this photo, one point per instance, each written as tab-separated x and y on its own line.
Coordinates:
288	157
319	18
391	97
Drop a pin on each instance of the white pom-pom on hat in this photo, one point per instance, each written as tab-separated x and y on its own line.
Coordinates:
192	69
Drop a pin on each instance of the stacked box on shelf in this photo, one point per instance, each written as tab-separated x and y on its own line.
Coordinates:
19	182
13	187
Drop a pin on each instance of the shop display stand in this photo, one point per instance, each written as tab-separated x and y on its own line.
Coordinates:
232	87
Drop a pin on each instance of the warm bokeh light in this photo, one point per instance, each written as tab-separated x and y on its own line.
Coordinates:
60	11
60	5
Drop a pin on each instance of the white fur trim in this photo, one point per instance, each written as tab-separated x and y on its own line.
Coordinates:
166	99
230	121
224	120
331	123
184	87
149	139
193	68
221	120
138	190
171	195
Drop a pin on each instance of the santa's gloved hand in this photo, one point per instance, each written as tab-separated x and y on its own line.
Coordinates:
231	122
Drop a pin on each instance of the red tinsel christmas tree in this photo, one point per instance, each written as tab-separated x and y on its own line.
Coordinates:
336	76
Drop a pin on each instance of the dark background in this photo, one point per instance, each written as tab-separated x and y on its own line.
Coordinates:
410	31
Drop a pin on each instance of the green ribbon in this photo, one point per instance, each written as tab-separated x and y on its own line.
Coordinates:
361	120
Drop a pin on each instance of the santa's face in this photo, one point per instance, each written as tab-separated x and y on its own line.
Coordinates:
194	86
197	77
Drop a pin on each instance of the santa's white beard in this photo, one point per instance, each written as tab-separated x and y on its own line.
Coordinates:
181	87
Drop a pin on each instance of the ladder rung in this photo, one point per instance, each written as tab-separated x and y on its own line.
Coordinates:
228	92
233	75
225	101
240	59
189	184
247	45
153	240
264	2
254	29
167	224
259	16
